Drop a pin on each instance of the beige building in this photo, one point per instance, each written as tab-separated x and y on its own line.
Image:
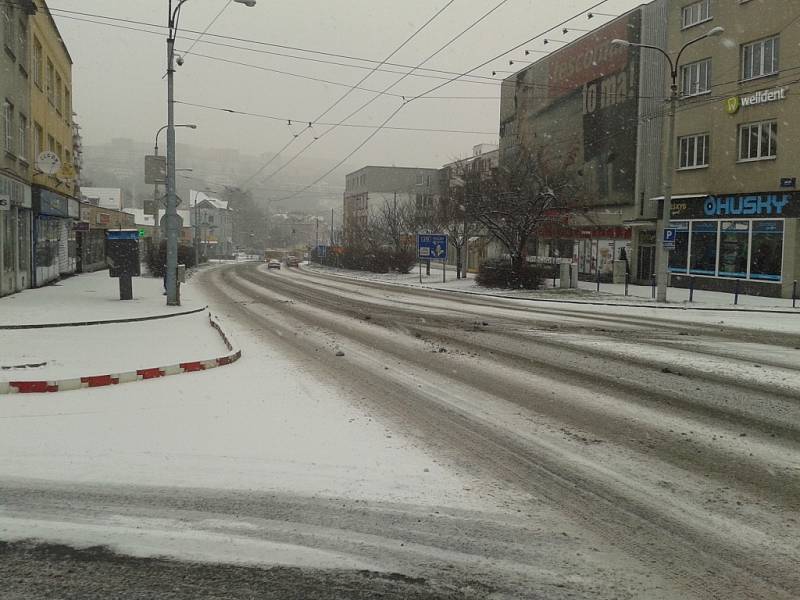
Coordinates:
736	204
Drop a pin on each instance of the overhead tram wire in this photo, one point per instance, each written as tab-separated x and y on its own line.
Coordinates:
67	14
450	42
209	26
340	99
352	125
396	111
475	79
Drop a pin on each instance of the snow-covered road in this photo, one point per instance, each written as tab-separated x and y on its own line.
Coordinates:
494	446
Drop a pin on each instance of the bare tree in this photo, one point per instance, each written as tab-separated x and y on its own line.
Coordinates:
527	190
453	211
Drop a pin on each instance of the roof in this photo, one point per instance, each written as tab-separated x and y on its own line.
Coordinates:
46	10
196	197
392	167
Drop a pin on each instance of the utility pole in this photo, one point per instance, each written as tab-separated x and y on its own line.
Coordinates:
316	246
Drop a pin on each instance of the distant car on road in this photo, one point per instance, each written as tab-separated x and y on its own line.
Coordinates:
292	261
273	264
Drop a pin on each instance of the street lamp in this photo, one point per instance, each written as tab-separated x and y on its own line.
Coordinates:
172	200
662	254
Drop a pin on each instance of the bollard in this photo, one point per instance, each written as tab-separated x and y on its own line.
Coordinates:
794	294
555	274
627	282
653	284
691	289
736	293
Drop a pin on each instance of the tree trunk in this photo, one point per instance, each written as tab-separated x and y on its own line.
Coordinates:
458	263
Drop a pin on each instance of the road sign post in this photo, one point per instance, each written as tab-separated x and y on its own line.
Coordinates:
433	246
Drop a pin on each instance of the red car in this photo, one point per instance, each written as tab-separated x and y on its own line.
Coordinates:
292	261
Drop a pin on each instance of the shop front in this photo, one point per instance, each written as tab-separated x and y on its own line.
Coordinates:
15	236
593	248
54	241
747	242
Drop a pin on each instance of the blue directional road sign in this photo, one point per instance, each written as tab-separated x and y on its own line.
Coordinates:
432	246
322	251
670	234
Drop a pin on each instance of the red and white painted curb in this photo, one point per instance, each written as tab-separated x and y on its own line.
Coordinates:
63	385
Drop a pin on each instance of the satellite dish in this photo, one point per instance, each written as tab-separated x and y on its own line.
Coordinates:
48	162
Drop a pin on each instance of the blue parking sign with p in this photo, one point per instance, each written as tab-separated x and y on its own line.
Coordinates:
670	235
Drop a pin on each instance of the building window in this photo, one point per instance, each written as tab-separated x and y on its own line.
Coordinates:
678	257
8	126
59	93
703	256
22	44
693	151
67	104
60	150
38	139
760	58
766	253
696	78
734	239
419	179
8	27
23	136
696	13
758	141
51	143
37	61
67	157
51	81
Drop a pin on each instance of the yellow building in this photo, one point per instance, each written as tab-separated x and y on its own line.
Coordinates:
54	203
51	99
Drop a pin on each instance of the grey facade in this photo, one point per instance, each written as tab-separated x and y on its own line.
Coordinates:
370	187
16	155
212	223
598	106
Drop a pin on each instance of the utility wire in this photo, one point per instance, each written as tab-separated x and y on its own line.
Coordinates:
340	99
210	25
399	108
353	125
441	49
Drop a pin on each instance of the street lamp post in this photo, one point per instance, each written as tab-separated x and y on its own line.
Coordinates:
157	227
662	253
172	201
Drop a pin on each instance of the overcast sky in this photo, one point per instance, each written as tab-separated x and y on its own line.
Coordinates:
119	90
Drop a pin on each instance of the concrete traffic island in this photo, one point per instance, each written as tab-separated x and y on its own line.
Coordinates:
79	335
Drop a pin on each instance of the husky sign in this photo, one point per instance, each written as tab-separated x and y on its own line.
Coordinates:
432	246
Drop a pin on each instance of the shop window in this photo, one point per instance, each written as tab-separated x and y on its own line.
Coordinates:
696	13
760	58
758	141
679	256
733	242
703	260
696	78
766	258
693	151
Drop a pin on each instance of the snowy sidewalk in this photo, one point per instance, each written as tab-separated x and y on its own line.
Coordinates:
90	297
587	292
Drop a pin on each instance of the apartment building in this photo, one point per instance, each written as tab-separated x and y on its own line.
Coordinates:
736	204
55	204
16	157
601	104
370	187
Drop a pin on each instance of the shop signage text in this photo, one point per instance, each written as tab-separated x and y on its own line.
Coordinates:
733	104
764	205
722	206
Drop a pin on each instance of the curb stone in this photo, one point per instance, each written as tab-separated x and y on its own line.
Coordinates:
91	381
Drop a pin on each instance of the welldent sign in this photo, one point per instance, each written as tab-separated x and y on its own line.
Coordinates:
734	103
